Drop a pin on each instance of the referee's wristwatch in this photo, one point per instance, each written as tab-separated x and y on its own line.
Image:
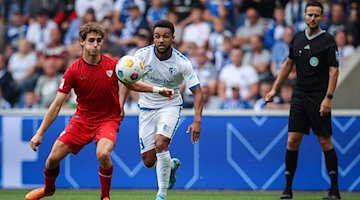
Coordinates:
329	95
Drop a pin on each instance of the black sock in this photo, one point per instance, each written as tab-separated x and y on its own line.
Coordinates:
332	167
291	158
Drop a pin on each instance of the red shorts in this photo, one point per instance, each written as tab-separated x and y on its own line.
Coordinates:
76	135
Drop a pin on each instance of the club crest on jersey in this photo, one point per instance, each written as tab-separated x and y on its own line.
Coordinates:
314	61
172	70
109	73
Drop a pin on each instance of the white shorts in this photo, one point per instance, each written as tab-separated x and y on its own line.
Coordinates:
163	121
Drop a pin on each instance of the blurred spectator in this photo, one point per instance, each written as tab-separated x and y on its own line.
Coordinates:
35	6
102	8
143	39
216	37
275	28
3	103
206	73
254	25
189	50
74	52
22	66
265	87
258	57
39	31
108	47
264	7
280	51
345	50
182	8
223	56
339	22
65	15
295	14
16	29
72	34
223	10
238	73
7	85
56	50
210	102
120	12
179	27
9	8
30	101
156	12
133	24
198	31
283	101
47	84
235	102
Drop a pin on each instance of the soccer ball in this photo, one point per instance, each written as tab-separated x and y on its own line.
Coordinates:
129	69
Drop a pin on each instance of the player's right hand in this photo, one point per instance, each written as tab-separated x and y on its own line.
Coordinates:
35	141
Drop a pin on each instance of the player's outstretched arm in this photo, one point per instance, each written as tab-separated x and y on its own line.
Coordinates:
144	87
49	118
195	127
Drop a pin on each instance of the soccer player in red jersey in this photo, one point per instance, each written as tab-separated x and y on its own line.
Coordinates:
98	112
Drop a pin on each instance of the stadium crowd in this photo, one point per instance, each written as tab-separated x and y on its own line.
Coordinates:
236	46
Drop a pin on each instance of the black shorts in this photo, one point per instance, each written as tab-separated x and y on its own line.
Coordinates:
304	114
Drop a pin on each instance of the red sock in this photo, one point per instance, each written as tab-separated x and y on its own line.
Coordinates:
105	180
50	176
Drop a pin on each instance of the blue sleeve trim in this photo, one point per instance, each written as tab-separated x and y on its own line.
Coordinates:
195	86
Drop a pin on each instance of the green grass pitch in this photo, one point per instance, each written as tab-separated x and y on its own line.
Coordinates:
62	194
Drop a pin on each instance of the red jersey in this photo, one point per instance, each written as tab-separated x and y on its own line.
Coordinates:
97	90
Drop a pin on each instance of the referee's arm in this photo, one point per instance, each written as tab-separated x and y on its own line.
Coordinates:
286	68
333	77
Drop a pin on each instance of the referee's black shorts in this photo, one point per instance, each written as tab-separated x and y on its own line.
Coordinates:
304	114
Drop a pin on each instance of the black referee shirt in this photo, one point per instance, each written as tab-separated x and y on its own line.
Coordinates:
313	56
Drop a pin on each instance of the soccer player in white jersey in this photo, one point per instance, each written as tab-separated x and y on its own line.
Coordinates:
159	116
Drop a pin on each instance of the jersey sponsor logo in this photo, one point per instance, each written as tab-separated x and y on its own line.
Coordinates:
314	61
61	86
109	73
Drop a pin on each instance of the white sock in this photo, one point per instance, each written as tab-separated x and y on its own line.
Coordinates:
163	169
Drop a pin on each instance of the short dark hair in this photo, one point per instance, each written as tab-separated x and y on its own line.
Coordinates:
165	24
314	3
89	28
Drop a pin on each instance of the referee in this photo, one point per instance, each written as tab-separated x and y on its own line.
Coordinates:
314	54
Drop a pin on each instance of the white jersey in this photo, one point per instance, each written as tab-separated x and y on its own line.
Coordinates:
168	73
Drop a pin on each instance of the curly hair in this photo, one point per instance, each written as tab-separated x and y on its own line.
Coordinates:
91	27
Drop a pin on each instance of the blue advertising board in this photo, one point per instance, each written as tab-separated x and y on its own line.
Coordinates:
235	152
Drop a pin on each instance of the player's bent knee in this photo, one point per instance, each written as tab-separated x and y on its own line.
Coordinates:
161	145
103	155
53	159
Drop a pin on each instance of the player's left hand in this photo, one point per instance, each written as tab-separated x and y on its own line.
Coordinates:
122	113
325	107
195	129
166	92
